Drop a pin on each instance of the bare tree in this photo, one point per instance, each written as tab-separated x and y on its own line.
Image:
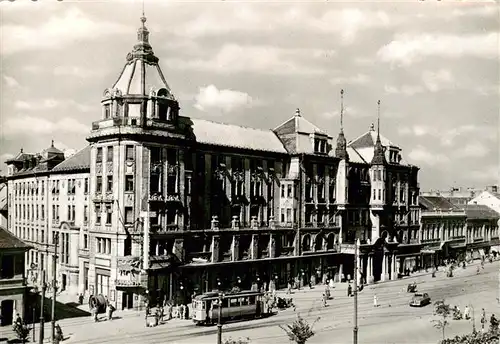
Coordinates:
442	310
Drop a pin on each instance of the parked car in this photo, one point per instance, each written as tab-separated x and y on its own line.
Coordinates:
420	300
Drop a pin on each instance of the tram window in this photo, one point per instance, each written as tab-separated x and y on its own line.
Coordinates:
234	302
251	300
225	303
244	301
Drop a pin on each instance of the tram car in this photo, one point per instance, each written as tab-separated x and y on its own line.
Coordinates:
242	304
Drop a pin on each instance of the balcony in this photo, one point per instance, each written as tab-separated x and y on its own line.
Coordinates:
114	122
287	251
227	256
173	198
12	282
159	229
156	198
199	257
172	169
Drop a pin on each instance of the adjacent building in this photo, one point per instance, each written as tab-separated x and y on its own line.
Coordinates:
165	205
13	286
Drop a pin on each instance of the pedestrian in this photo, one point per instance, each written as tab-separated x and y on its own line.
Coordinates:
80	299
483	319
110	311
58	335
289	288
94	313
375	301
349	290
466	313
324	300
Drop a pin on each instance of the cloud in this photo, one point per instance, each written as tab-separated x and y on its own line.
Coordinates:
472	150
476	11
407	49
49	103
70	27
234	58
407	90
250	18
359	79
439	80
485	174
210	98
349	111
448	136
6	156
11	82
27	125
422	155
79	72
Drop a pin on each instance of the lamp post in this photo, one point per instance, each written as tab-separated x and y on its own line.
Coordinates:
219	324
54	285
356	257
473	319
42	298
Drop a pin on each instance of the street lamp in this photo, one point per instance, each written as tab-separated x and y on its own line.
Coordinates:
356	258
473	319
219	323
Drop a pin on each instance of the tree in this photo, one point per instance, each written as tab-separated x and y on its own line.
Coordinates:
473	338
237	341
442	310
300	330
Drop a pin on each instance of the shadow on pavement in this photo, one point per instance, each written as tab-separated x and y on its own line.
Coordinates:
63	310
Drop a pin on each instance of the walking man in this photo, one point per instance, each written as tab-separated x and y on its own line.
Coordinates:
375	301
483	320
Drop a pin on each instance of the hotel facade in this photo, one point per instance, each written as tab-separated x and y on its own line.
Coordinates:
165	205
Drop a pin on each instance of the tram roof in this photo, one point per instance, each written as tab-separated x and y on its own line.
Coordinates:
215	294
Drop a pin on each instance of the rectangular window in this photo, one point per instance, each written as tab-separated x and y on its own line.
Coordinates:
85	213
69	213
102	284
43	188
289	215
73	212
42	215
129	215
98	186
85	241
107	111
129	183
98	214
188	186
129	153
283	215
98	157
109	152
109	184
289	191
57	213
86	186
282	191
379	194
108	214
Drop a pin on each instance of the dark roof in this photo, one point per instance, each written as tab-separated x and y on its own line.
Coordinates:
78	161
480	211
9	240
436	203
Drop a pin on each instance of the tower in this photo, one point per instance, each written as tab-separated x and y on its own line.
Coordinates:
377	179
343	167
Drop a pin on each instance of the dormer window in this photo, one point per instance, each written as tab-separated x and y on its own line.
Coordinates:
107	111
319	145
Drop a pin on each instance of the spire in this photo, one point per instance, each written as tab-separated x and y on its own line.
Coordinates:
341	149
143	49
378	155
297	112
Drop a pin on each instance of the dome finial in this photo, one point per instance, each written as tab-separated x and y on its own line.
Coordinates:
52	143
297	112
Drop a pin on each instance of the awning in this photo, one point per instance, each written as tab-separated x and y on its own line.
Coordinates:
428	251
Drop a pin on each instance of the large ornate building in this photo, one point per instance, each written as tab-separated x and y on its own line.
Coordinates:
168	204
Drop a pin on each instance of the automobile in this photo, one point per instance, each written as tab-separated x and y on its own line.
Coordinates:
420	300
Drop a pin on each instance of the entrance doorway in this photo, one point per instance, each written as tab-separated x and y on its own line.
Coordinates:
127	300
7	312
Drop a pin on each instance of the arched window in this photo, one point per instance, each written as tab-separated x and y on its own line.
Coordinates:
306	243
330	241
318	244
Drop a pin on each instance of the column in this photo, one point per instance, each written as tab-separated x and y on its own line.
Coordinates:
384	268
369	268
341	272
394	273
359	265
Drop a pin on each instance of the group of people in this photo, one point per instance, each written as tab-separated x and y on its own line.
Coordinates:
458	315
167	311
19	323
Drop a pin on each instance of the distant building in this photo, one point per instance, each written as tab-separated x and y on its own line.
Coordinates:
13	287
443	230
482	230
491	199
4	206
460	196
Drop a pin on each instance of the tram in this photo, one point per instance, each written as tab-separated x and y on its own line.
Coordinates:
242	304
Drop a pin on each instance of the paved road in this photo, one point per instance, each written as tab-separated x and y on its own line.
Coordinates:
393	322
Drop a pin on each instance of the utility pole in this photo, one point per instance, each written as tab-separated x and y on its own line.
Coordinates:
356	257
42	298
54	285
219	324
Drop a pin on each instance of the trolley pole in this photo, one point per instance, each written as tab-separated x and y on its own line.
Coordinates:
219	324
54	286
356	258
42	299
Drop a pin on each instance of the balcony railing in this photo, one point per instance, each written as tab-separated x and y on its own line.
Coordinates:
286	251
200	256
117	121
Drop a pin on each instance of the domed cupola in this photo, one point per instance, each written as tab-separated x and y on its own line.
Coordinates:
141	92
341	149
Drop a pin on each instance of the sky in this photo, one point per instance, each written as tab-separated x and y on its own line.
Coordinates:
433	64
